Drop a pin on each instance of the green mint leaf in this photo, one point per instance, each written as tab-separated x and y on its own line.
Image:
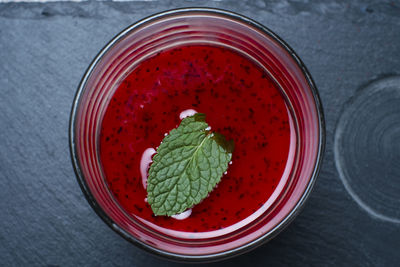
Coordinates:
189	163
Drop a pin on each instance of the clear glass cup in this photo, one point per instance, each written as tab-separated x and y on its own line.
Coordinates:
199	26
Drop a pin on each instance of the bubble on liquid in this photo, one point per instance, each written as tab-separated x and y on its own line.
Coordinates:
187	113
145	162
183	215
141	106
165	134
230	162
145	199
225	173
208	128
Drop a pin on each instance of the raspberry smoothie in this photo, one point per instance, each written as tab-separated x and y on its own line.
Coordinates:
240	101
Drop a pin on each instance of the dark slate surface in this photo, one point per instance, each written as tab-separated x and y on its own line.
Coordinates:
44	51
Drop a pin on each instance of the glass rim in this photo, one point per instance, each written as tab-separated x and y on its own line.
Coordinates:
214	256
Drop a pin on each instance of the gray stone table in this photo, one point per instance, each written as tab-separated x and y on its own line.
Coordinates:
347	46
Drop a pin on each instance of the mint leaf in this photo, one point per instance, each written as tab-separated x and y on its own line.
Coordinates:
189	163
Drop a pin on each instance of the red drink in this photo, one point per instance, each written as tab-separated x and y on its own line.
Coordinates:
252	88
240	100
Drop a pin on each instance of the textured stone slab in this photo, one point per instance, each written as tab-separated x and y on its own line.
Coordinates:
44	51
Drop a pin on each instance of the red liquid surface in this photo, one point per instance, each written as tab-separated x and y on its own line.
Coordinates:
240	101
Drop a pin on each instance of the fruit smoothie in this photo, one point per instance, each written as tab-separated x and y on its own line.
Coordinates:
240	101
